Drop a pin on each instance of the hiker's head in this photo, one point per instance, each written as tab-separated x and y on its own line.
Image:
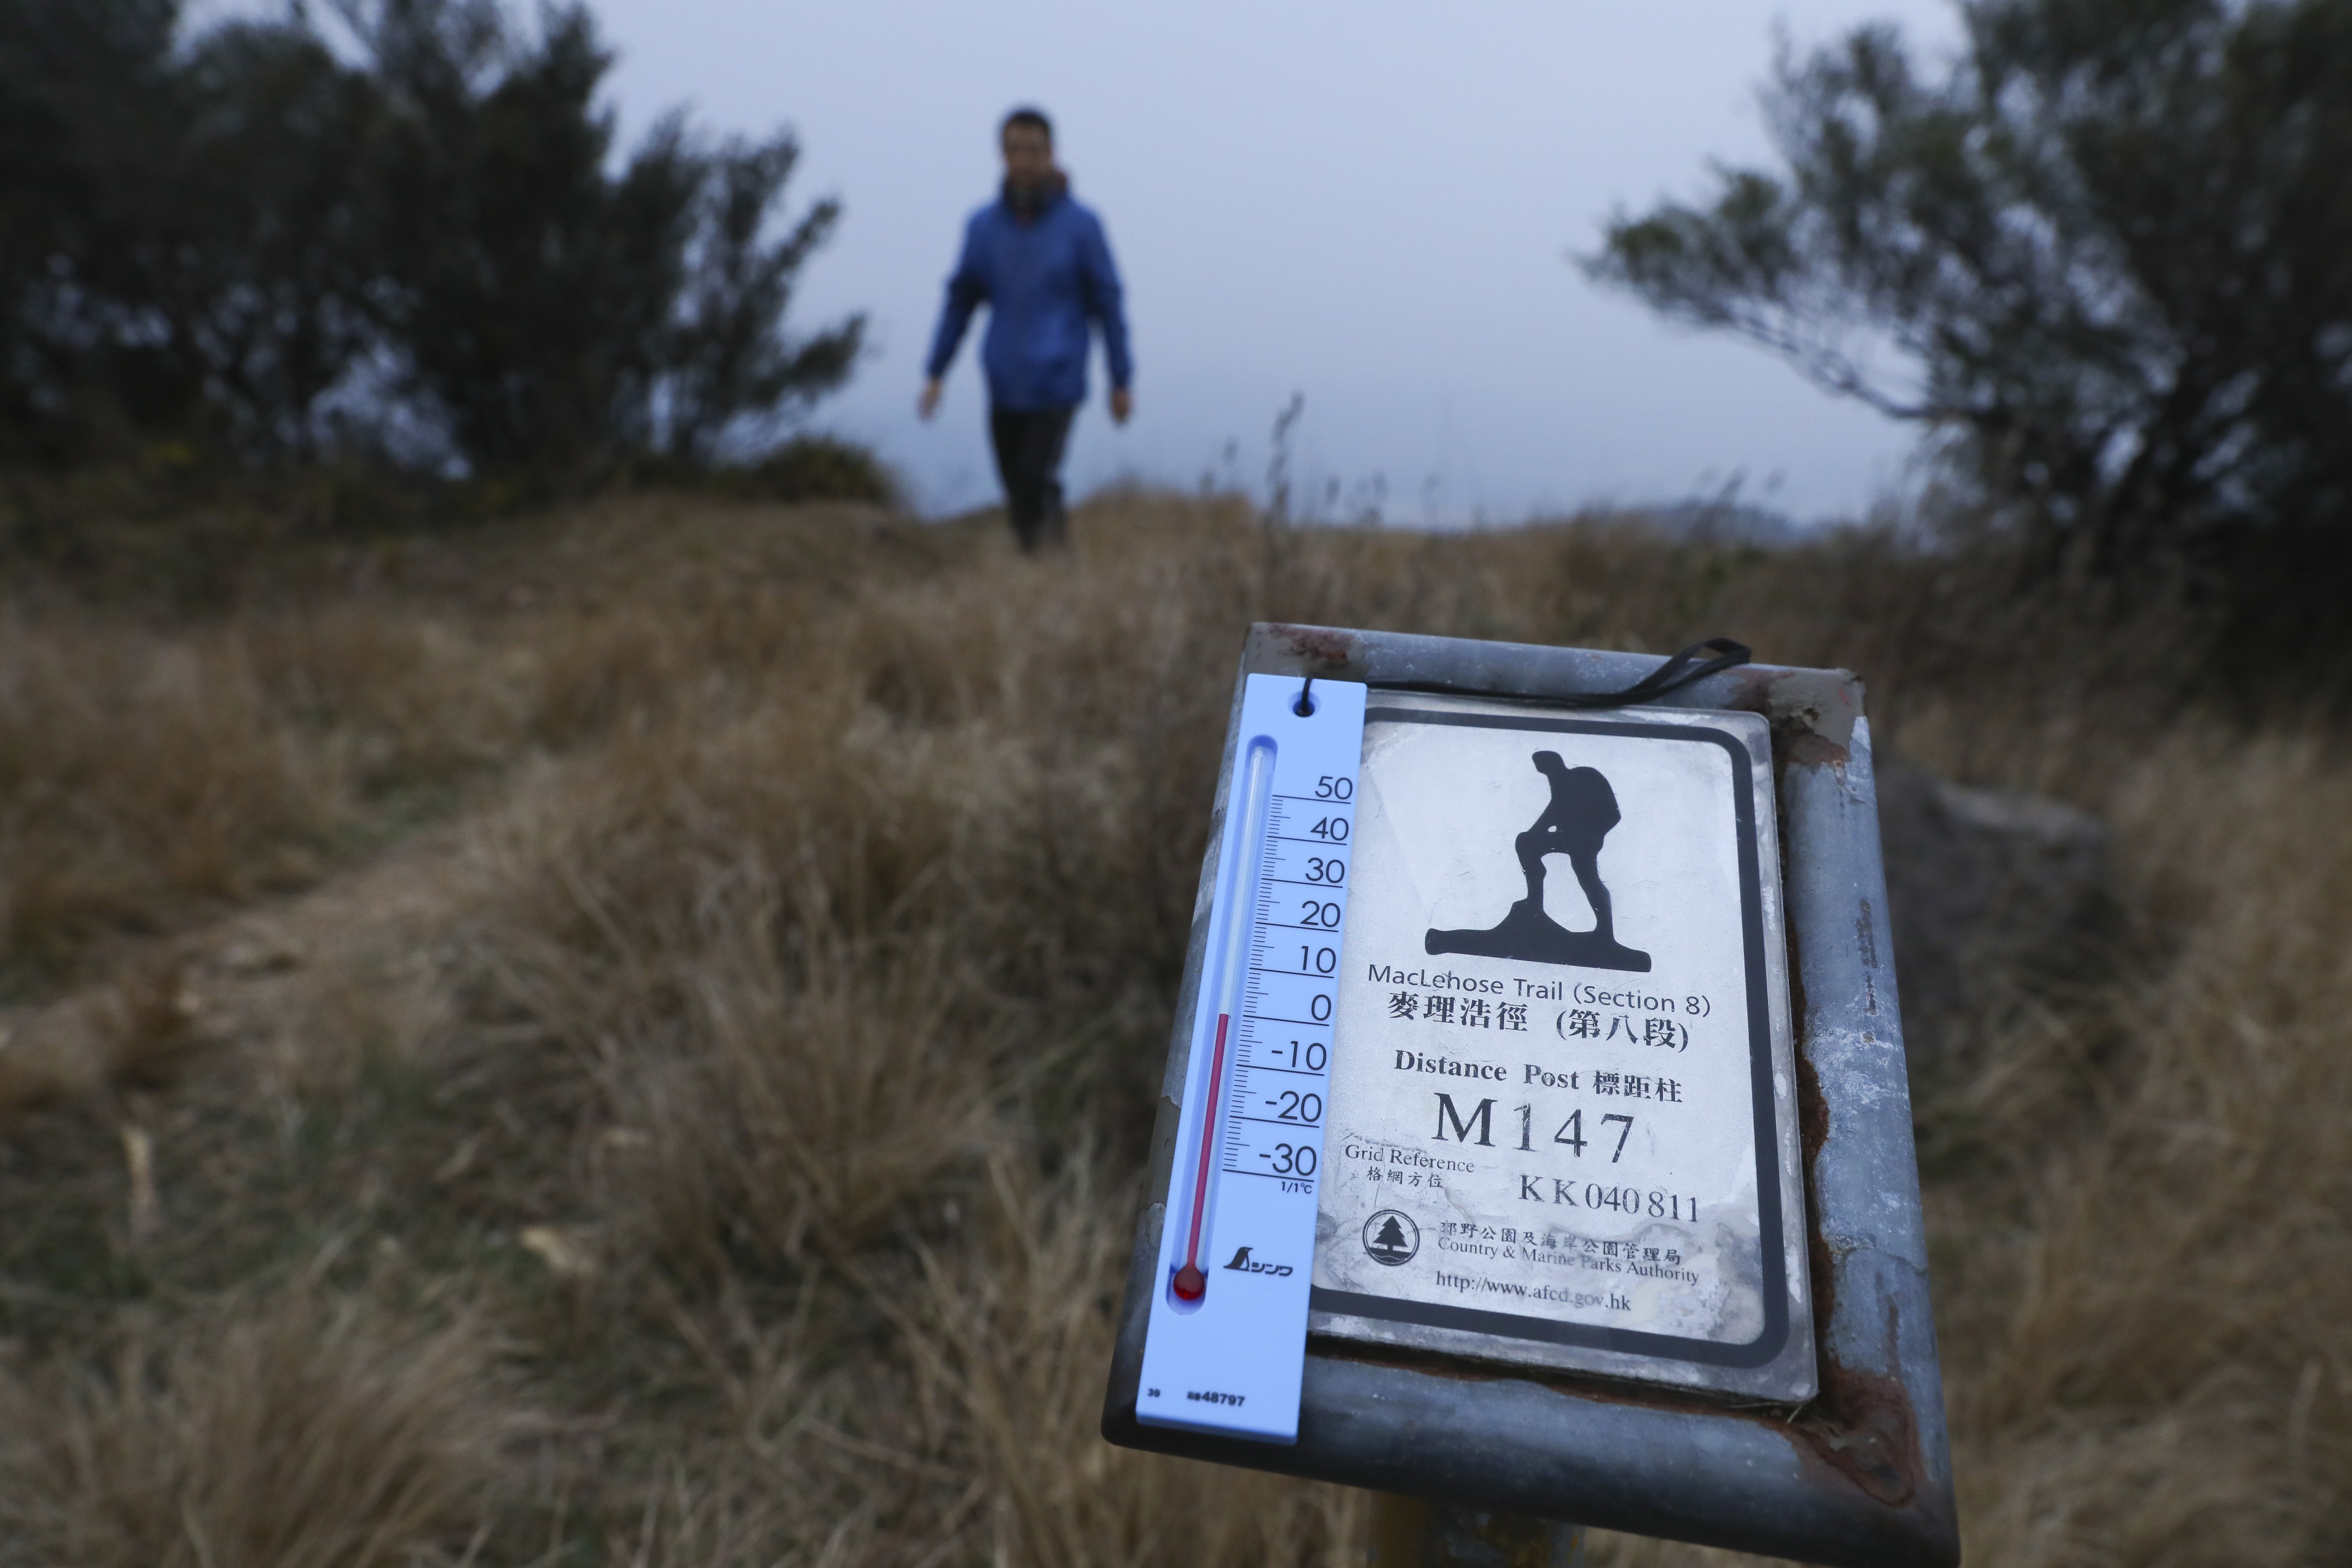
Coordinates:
1027	139
1549	764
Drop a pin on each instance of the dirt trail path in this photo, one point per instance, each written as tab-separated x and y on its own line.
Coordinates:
353	951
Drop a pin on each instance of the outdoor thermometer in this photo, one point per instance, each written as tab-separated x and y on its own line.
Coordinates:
1227	1343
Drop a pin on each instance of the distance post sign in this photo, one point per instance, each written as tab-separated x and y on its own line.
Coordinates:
1476	1173
1562	1127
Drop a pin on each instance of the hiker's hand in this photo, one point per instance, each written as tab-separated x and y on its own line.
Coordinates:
928	404
1122	404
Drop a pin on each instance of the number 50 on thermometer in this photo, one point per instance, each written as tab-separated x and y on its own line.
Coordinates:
1227	1341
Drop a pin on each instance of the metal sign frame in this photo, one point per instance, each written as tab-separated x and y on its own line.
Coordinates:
1860	1475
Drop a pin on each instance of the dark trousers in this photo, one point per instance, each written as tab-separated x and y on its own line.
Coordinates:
1029	443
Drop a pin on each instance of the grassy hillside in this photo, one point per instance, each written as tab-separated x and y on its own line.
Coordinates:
627	1039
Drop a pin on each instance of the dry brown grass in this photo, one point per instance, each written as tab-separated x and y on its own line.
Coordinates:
294	1432
153	774
136	772
754	1062
2158	1355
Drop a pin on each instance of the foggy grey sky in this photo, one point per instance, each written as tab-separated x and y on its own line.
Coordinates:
1371	203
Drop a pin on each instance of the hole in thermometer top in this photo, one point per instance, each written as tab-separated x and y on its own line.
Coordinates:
1228	1329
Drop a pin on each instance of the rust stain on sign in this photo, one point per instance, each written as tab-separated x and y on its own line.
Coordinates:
1804	749
1863	1428
1318	645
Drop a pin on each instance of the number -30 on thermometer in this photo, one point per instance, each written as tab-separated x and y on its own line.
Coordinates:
1227	1343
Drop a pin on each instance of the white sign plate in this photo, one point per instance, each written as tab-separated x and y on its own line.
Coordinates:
1562	1126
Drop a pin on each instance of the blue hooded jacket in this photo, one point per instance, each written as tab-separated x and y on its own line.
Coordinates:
1044	275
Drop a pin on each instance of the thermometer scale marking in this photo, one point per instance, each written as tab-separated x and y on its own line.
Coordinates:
1306	1061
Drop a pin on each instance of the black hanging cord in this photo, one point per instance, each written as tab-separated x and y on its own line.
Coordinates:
1677	672
1304	706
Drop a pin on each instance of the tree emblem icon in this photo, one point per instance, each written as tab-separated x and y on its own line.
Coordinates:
1391	1237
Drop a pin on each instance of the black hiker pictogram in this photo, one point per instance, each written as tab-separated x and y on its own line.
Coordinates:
1583	809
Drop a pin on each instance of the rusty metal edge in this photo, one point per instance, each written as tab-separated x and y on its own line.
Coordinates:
1859	1476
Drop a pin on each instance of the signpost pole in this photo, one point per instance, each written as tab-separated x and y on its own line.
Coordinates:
1414	1533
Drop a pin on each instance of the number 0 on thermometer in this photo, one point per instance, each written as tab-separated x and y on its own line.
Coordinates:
1227	1343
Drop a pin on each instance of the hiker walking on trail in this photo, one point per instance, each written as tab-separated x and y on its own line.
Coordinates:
1042	265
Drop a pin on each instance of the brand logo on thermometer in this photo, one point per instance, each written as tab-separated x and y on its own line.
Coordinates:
1244	1263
